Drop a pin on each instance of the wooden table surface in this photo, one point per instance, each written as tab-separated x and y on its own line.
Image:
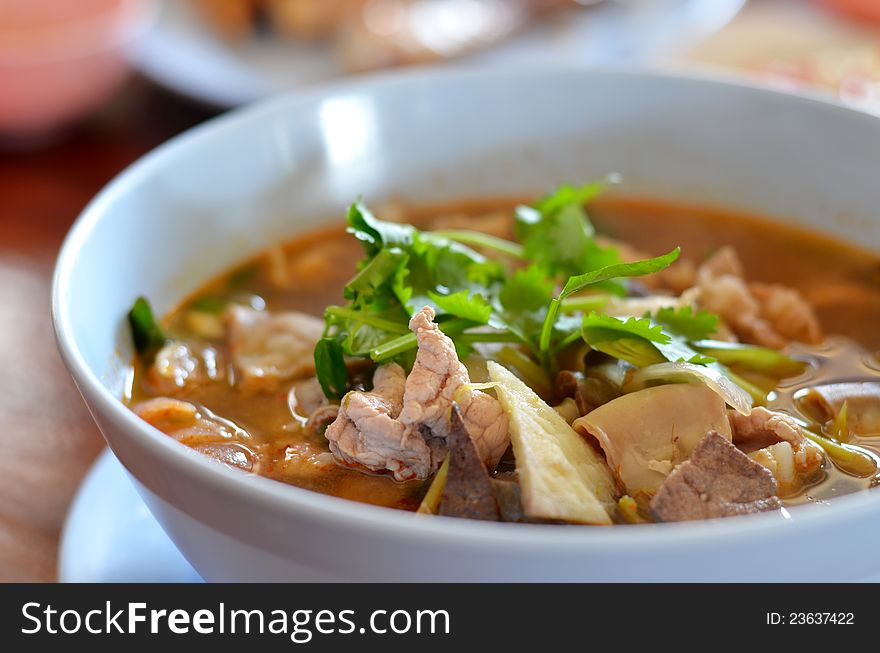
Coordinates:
47	437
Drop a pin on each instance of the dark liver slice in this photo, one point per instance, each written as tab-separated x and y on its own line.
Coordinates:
507	495
468	491
718	480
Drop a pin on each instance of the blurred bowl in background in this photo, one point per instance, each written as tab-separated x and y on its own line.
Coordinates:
59	61
185	55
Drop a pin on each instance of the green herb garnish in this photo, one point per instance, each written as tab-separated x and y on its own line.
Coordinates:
557	234
687	323
582	281
530	293
330	367
209	304
751	357
145	331
634	340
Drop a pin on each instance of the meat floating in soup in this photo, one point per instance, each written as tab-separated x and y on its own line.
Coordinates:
509	364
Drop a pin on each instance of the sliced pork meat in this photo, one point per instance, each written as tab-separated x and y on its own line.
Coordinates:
309	406
402	425
764	314
718	480
305	459
725	261
187	422
368	434
678	277
180	365
268	349
788	312
200	429
487	423
437	379
779	460
166	414
729	296
231	454
306	396
775	440
323	417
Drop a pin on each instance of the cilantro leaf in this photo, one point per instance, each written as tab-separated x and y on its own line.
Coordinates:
687	323
376	234
362	338
557	233
679	351
582	281
145	330
568	195
526	291
632	340
463	305
638	341
521	304
442	267
361	331
617	271
601	328
378	271
407	266
700	359
330	368
404	269
557	241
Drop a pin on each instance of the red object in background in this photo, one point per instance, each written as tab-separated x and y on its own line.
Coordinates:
61	60
865	9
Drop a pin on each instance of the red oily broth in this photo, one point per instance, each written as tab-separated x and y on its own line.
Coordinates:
309	272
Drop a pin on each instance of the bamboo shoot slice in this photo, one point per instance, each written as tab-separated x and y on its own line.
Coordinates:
561	476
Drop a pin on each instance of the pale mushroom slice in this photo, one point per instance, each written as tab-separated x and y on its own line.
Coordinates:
645	434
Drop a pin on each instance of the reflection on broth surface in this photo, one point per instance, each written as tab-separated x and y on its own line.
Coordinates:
266	428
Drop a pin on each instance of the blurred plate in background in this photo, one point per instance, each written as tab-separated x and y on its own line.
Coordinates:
183	54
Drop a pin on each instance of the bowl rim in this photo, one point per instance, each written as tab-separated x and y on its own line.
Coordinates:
364	517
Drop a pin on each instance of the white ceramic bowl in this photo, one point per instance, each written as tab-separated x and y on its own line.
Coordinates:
226	190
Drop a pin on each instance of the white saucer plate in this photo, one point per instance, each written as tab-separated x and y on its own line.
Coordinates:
111	537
